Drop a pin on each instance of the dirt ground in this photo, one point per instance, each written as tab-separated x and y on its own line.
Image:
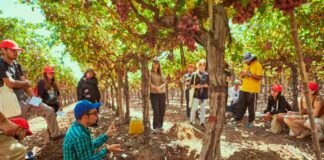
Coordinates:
179	140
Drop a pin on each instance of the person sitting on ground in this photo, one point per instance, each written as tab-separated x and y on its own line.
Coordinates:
78	143
233	94
13	76
10	148
277	107
299	124
48	90
23	124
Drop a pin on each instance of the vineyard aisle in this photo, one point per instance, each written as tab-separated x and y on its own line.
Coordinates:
179	140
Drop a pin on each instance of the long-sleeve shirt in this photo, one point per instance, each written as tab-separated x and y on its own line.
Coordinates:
79	145
279	106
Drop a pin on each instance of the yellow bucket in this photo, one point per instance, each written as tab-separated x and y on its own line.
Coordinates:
136	126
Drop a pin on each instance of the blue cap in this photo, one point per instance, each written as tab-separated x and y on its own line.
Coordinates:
248	57
83	107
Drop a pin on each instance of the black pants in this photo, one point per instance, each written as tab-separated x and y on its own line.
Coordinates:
159	106
55	106
187	102
232	108
246	101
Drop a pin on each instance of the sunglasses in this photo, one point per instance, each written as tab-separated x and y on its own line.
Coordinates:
94	113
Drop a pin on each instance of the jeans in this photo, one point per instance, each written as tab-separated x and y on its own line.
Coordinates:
159	107
246	101
203	104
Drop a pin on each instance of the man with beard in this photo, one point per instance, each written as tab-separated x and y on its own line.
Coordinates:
88	87
78	143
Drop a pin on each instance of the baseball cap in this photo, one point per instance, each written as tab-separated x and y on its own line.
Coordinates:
276	88
10	44
83	107
22	123
49	70
312	85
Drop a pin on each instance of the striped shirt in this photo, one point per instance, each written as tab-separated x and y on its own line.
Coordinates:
78	144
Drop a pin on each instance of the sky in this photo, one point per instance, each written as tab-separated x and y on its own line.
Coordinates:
11	8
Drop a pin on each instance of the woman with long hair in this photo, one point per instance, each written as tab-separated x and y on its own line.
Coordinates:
277	107
48	90
157	95
299	123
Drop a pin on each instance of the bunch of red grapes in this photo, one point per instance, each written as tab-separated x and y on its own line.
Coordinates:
287	5
243	13
188	26
122	8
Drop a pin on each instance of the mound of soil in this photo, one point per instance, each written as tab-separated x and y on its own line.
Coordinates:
252	154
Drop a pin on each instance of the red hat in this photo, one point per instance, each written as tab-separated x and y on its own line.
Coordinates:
10	44
49	70
276	88
312	85
22	123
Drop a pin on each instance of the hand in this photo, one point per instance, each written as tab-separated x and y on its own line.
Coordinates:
111	129
290	113
9	128
115	148
205	85
268	113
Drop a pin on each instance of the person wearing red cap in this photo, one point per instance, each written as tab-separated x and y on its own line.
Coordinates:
299	123
277	107
186	80
48	90
23	124
12	75
10	148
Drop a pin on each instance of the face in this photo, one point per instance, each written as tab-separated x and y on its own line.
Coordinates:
190	69
50	75
10	53
92	117
155	65
202	67
22	135
312	92
274	93
89	75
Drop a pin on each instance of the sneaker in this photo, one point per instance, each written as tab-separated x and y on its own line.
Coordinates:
249	125
303	135
57	137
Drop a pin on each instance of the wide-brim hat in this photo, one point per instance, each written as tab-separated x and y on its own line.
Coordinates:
247	57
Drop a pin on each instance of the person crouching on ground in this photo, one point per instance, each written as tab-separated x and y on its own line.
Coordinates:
277	107
299	124
78	143
24	128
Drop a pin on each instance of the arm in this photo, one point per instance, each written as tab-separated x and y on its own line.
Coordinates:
27	89
9	128
100	140
80	91
317	106
268	109
83	150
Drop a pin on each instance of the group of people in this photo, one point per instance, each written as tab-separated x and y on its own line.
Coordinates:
14	127
78	142
243	96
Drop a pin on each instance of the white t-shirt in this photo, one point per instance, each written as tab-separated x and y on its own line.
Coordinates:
233	95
